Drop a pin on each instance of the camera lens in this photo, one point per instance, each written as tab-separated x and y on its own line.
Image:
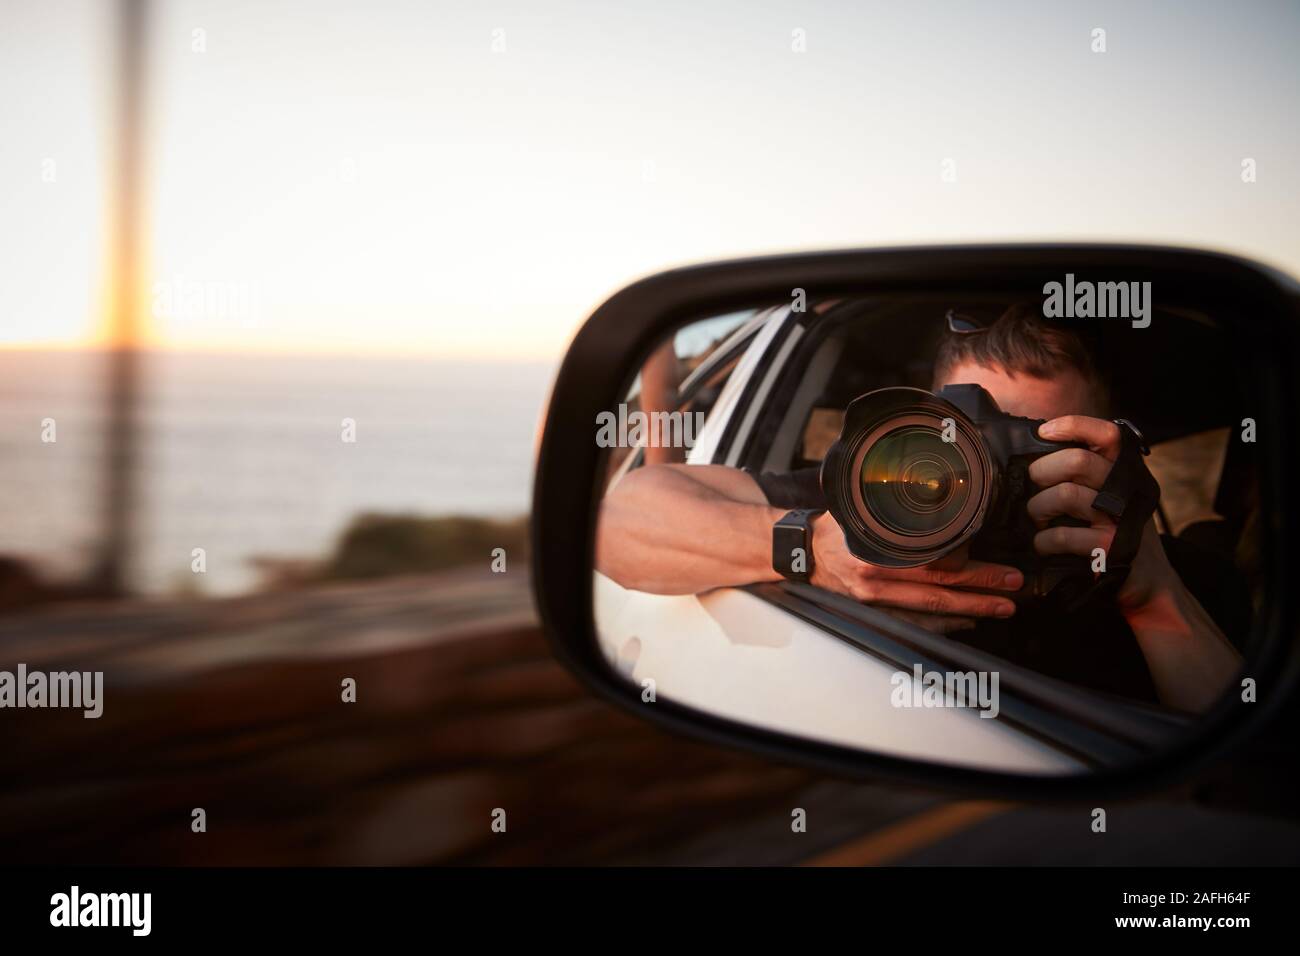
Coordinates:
913	482
903	496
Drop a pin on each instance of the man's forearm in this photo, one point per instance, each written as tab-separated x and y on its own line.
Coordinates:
664	532
1190	660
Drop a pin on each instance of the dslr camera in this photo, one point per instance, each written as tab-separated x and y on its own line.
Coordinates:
915	475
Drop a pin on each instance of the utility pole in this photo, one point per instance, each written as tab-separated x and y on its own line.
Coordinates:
111	574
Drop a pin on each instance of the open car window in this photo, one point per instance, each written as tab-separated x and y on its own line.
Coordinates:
684	379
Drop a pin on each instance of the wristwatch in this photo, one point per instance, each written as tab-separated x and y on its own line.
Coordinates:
792	553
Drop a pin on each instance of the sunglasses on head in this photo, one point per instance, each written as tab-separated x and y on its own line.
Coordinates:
964	323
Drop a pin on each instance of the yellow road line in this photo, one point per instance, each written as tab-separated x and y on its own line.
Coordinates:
914	833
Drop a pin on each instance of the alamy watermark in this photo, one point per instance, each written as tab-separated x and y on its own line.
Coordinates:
82	690
1098	300
75	908
216	300
977	690
640	429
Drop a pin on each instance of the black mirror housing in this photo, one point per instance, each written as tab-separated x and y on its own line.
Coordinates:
1263	310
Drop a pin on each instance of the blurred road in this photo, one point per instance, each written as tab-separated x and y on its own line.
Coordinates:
235	706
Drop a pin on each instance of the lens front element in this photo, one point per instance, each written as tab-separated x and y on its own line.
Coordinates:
913	482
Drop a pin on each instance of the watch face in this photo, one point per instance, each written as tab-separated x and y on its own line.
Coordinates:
791	555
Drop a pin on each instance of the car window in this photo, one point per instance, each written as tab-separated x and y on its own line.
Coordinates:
679	384
696	342
1189	471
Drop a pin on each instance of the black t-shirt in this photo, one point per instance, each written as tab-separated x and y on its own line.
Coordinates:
1093	647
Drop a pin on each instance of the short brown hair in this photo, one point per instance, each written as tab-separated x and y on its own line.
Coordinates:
1021	341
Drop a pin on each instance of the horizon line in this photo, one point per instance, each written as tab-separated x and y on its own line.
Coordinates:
274	352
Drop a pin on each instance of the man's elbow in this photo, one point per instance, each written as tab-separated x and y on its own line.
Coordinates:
611	551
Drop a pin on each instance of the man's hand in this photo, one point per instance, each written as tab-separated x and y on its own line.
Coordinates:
1190	660
927	596
1070	480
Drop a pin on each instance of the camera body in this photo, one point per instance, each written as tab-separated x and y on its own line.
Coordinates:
914	476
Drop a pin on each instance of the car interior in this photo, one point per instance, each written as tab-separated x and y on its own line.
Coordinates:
1186	409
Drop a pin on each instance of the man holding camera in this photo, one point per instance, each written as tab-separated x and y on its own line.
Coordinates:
678	529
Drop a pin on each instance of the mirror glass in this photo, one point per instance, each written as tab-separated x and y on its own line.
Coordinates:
1014	535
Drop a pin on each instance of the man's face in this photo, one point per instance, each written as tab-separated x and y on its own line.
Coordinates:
1066	393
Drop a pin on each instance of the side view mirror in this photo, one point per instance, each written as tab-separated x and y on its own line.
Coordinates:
960	596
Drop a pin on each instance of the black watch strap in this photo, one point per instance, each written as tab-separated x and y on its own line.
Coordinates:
792	553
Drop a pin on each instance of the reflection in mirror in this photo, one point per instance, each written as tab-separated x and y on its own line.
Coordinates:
974	530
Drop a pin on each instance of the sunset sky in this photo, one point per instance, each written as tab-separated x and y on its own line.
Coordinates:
375	178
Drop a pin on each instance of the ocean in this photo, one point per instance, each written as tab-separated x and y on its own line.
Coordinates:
246	457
